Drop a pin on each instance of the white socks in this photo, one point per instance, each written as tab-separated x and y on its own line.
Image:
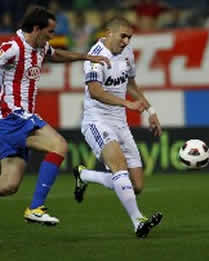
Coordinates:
119	182
103	178
124	190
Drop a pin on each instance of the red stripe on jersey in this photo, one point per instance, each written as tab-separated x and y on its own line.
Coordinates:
19	73
32	83
5	47
4	107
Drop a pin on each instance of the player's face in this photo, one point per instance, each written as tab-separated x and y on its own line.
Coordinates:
120	39
46	34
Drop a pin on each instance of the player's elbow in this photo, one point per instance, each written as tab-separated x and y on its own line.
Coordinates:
93	93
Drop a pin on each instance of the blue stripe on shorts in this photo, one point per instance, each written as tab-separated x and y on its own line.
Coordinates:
96	134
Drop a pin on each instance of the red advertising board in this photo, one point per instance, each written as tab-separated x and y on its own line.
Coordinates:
165	61
178	59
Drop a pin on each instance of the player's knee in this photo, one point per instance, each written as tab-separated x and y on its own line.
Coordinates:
61	147
118	165
8	190
64	146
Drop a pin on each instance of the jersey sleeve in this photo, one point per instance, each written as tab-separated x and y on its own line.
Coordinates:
132	70
7	52
93	72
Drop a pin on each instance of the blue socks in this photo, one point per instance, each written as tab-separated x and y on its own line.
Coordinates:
48	172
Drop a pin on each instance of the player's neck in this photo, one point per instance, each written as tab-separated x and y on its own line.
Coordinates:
29	38
108	45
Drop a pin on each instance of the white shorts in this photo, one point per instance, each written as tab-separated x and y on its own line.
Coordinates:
98	134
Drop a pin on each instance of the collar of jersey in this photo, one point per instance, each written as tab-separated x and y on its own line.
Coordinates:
109	53
21	35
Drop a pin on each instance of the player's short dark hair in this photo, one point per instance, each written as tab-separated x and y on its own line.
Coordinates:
36	15
116	22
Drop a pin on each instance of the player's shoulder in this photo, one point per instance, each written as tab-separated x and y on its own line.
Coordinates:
10	43
128	50
98	49
9	46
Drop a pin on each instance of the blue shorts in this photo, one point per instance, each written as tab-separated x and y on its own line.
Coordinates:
14	131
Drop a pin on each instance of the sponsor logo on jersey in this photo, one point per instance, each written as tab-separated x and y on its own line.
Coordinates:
33	73
116	81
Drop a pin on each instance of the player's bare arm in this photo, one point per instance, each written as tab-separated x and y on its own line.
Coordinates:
97	92
136	92
66	56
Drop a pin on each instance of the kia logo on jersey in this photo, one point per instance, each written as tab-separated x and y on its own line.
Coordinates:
33	73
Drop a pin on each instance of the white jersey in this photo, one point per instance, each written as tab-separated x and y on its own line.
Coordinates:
20	68
114	80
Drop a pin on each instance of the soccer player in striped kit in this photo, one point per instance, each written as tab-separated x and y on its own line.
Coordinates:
105	127
21	129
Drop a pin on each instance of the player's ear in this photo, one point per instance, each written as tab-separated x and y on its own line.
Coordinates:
108	33
36	28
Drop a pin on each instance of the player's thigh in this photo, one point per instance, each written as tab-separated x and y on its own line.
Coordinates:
113	157
47	139
12	171
129	148
104	144
137	179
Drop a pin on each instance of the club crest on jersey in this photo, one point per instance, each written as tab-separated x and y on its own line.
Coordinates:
33	73
127	62
95	66
124	65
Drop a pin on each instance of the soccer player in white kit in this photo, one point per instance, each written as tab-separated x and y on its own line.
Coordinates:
105	127
21	129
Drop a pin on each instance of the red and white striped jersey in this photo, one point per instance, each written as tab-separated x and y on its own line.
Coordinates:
20	69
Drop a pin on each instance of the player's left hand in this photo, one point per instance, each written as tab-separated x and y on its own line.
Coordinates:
99	59
155	125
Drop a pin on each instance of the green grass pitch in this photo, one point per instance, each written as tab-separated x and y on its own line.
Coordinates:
99	228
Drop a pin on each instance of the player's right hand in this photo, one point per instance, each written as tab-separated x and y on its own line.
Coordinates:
155	125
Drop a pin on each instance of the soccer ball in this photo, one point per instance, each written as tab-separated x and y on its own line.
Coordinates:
194	154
